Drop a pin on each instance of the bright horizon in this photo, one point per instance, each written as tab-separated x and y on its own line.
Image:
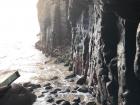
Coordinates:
18	30
18	20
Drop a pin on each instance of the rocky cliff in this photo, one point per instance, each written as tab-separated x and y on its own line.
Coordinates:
54	25
105	43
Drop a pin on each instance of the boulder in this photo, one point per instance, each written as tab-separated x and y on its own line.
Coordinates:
83	89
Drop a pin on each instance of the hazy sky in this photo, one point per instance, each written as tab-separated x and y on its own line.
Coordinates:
18	29
18	20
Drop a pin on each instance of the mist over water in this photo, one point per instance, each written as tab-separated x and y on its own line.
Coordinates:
18	20
18	30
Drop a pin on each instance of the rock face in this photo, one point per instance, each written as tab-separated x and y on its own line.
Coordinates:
105	44
54	24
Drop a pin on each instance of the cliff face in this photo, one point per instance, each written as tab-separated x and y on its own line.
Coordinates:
54	24
105	46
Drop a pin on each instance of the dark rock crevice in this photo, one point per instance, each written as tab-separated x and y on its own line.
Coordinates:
112	40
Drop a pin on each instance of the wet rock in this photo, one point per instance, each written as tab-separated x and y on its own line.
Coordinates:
83	89
41	95
83	103
33	86
74	103
38	45
70	67
44	21
74	91
81	80
55	90
45	62
29	89
18	95
48	87
71	80
50	99
58	101
3	90
98	45
65	103
91	103
27	84
126	93
60	59
46	91
55	95
70	76
54	78
17	89
66	89
47	84
75	88
77	100
66	63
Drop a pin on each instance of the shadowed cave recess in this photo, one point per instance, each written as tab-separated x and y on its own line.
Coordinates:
100	40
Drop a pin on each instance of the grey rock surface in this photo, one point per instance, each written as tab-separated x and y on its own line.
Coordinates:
105	48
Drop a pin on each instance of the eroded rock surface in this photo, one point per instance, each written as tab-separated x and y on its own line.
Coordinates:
54	25
105	45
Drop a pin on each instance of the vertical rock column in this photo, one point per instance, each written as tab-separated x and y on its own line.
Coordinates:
77	10
129	83
105	40
54	25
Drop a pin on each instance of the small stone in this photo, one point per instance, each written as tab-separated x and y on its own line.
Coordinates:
27	84
70	67
17	88
58	101
48	87
76	88
83	103
66	64
50	99
77	100
83	89
40	96
29	89
81	80
45	62
35	86
55	95
54	78
38	85
32	86
46	91
73	103
47	84
67	89
126	93
74	91
55	91
65	103
70	76
71	80
91	103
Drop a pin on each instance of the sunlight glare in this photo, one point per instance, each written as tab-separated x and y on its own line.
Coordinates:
18	20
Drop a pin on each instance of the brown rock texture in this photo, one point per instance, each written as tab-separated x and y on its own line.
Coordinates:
105	44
